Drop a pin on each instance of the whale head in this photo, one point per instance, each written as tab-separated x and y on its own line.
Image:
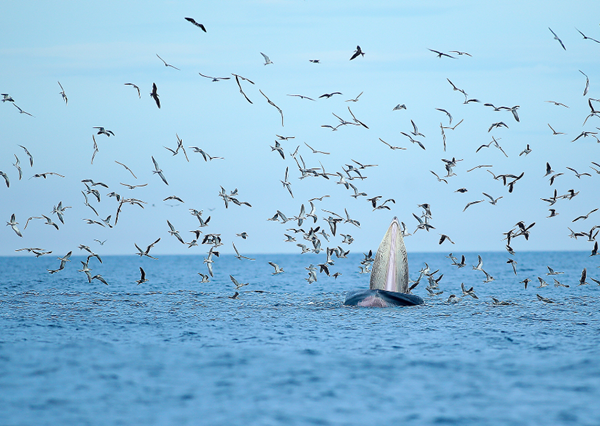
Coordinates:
390	268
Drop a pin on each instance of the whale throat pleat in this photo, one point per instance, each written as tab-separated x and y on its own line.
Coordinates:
390	276
390	268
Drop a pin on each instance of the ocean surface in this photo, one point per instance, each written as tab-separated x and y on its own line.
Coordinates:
174	351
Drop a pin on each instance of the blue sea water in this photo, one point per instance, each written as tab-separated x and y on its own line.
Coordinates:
174	351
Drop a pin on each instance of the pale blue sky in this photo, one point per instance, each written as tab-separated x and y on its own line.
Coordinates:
94	50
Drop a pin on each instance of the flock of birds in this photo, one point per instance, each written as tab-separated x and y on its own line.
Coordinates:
304	229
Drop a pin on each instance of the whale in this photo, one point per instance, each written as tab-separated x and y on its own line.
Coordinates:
389	275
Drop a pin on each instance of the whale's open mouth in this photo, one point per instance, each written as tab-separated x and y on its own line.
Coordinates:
389	275
390	268
391	283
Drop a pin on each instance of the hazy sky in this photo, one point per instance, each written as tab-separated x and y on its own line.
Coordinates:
94	50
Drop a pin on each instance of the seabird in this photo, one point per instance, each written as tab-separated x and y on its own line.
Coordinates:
302	97
554	132
237	284
469	292
267	60
142	277
393	147
587	83
201	26
103	131
584	216
440	54
357	52
542	298
471	203
136	87
355	99
329	95
459	53
21	111
237	80
559	40
158	171
13	224
99	278
271	103
64	96
154	95
147	251
586	37
214	78
278	270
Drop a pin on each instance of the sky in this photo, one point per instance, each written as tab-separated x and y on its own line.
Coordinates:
94	49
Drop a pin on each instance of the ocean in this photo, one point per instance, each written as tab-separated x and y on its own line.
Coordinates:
174	351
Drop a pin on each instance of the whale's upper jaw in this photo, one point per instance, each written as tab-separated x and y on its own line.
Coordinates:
390	269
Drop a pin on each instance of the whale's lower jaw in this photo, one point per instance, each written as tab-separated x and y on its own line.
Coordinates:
381	299
373	302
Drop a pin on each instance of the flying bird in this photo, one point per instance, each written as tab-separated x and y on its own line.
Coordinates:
142	277
13	224
585	216
444	238
238	255
103	131
214	78
237	284
62	92
329	95
357	52
459	53
6	179
28	154
440	54
355	99
587	84
271	103
391	147
154	95
267	59
147	251
100	278
557	103
286	184
554	132
127	168
497	125
175	232
167	65
542	298
556	38
159	171
193	21
578	175
278	269
237	80
302	97
586	37
471	203
21	111
315	151
135	87
447	113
